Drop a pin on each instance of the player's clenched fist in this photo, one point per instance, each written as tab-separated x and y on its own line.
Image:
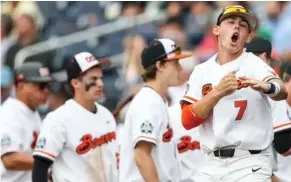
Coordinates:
227	84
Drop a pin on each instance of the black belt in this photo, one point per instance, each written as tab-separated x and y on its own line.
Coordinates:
226	153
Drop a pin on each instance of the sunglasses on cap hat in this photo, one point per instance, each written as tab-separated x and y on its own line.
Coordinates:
238	11
177	51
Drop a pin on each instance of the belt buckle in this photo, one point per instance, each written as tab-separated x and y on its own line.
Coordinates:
219	155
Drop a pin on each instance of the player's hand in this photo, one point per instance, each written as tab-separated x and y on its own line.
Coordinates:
288	153
258	85
227	84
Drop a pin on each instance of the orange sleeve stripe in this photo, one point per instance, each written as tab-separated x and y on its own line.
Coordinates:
151	138
189	118
190	98
282	125
46	153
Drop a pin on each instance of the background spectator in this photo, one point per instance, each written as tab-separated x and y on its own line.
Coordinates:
26	30
6	39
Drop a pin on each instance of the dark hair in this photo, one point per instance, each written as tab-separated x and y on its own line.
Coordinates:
151	72
7	23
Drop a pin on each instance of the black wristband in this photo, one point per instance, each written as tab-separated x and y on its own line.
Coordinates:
271	90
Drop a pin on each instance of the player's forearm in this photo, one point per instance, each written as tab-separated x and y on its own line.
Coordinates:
283	94
203	107
146	166
18	161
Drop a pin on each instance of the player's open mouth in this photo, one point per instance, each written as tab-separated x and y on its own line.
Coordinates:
234	37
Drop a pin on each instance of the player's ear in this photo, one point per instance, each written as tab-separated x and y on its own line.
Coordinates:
215	30
75	83
159	65
19	85
250	37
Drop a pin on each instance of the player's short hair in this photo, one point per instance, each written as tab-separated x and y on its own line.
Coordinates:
150	72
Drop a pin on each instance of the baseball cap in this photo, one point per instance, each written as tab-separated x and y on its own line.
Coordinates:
83	62
161	49
238	11
260	45
6	76
32	72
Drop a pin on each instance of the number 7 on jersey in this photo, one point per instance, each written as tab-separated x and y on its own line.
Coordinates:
242	104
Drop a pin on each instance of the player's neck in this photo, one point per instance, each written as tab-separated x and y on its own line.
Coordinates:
226	57
87	104
24	100
160	88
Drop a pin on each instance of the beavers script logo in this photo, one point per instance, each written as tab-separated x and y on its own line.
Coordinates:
187	144
167	136
89	143
34	140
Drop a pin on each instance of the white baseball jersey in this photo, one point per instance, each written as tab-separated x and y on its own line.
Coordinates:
242	119
187	146
282	120
147	120
19	129
176	93
81	144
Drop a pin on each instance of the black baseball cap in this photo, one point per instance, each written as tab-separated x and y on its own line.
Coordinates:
238	11
161	49
32	72
261	45
83	62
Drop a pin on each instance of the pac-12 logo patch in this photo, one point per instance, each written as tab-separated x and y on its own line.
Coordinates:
41	143
146	127
5	140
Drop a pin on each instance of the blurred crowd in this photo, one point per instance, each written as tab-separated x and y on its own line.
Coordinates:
189	24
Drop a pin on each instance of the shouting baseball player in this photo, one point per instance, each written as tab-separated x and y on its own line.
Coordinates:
280	113
20	122
228	100
147	149
78	139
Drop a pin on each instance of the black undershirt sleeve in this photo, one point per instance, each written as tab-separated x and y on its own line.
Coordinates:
282	141
40	169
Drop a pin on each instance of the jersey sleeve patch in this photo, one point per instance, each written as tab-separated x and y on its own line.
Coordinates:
145	131
193	90
52	138
10	142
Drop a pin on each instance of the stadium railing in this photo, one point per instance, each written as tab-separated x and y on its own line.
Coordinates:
105	29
